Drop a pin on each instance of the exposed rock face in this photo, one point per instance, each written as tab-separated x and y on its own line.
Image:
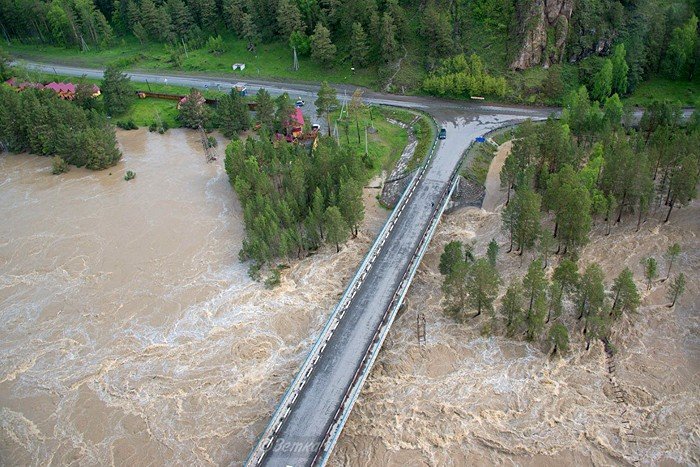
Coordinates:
544	25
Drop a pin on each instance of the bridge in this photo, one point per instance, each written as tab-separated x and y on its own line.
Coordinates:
312	412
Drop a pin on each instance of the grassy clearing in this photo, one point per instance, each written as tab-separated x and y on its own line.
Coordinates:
144	111
269	61
685	92
384	147
423	129
480	156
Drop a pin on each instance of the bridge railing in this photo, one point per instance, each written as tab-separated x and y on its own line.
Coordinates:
363	370
290	396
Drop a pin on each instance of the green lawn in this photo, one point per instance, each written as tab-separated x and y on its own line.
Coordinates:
384	147
271	61
685	92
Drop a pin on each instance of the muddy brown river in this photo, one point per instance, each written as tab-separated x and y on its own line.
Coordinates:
131	335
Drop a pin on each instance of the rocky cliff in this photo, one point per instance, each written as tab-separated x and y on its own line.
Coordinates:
544	25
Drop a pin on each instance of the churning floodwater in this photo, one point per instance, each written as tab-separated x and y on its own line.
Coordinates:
131	335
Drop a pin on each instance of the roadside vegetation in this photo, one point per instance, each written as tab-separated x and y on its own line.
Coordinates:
480	48
563	177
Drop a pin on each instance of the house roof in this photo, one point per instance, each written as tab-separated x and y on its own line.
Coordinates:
296	118
61	87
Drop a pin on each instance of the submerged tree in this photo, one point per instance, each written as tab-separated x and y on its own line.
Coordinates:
535	291
337	229
671	254
558	338
455	288
492	252
512	308
626	298
651	271
676	289
482	286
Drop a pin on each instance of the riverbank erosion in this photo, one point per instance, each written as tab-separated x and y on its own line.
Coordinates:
132	333
470	399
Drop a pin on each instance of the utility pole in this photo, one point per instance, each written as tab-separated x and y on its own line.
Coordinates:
295	66
366	147
184	46
420	329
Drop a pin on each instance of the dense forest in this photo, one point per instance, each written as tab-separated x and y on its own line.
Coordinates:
40	122
295	199
564	176
652	37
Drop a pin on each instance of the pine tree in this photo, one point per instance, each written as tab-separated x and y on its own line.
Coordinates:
534	283
671	254
117	92
336	228
194	112
389	46
482	286
283	113
359	50
527	218
351	205
452	255
571	203
288	18
326	102
555	296
676	289
566	274
591	292
512	308
455	290
317	212
265	109
232	112
545	246
492	252
249	31
651	271
322	49
558	338
181	17
597	327
626	295
682	188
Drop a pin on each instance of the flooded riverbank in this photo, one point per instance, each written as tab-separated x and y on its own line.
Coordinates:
469	399
131	332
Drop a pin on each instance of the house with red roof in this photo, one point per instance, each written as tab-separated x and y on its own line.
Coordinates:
64	90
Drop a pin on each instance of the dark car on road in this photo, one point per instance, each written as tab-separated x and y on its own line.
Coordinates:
442	134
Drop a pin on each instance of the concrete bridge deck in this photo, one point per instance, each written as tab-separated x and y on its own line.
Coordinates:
315	407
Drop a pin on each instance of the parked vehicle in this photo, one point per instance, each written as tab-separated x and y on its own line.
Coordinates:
241	89
300	103
443	133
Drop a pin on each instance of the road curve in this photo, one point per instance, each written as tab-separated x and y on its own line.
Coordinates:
298	433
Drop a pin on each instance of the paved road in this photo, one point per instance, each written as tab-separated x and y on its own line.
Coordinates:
437	107
302	431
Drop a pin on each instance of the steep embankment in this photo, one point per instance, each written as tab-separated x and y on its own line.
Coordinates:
466	399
